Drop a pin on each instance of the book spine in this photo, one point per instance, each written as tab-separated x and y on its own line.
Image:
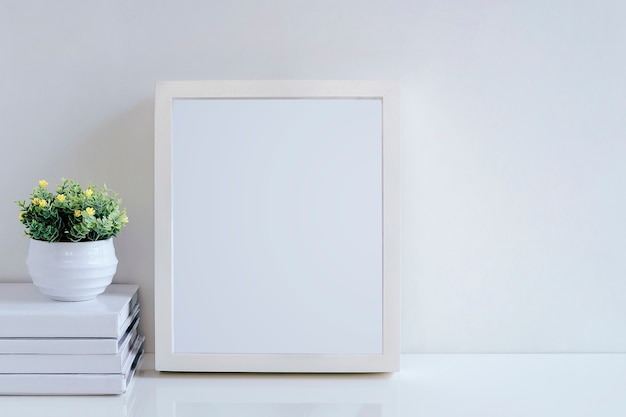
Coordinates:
70	384
36	384
87	325
69	364
59	346
24	313
71	345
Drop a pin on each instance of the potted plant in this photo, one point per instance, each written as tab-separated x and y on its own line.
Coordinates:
71	256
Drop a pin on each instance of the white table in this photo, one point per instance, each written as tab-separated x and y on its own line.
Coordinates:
427	386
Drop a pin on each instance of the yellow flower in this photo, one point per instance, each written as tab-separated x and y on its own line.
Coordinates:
90	211
61	198
42	203
89	192
77	213
35	201
20	215
43	183
125	219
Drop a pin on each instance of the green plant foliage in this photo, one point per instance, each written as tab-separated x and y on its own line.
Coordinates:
72	214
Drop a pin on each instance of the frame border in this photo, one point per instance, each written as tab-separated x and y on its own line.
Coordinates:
165	358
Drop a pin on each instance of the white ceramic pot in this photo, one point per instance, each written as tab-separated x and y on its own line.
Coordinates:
71	271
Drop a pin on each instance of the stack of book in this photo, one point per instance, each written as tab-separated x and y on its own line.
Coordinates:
81	348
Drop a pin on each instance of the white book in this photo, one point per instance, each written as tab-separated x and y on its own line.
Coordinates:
71	384
71	345
70	364
25	312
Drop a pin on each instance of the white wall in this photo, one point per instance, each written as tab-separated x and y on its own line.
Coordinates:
514	141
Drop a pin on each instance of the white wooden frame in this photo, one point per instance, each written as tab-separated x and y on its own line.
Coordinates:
166	358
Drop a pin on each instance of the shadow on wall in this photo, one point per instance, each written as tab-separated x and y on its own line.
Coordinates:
120	155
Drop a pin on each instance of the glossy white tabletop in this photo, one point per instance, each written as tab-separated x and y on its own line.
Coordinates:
426	386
